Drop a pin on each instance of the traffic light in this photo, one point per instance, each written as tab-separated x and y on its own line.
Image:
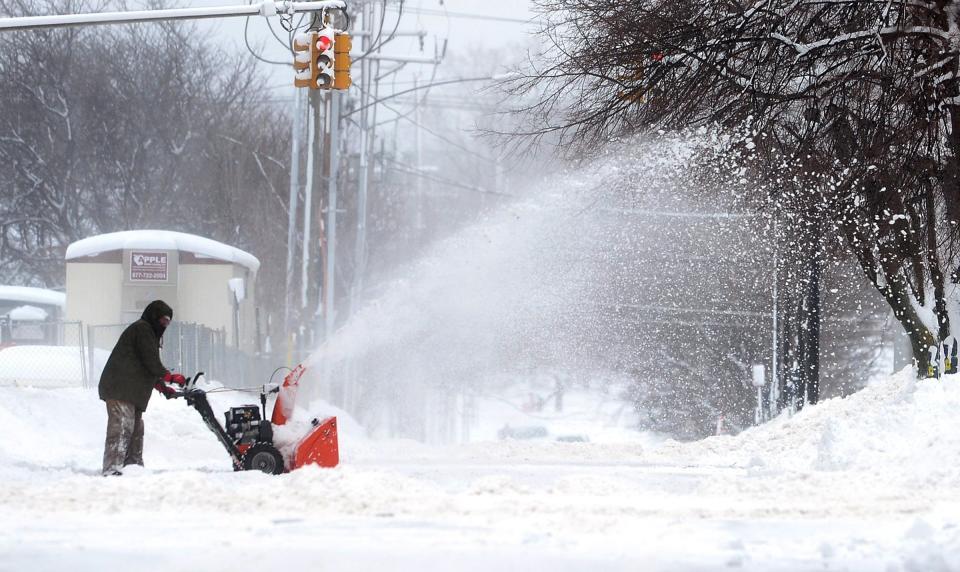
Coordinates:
341	61
313	59
634	93
321	58
301	60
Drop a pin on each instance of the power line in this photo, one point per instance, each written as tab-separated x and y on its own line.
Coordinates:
441	137
398	166
430	85
431	12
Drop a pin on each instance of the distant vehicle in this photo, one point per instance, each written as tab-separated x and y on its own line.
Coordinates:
522	432
573	439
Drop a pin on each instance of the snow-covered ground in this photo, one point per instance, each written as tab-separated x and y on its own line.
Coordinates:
870	482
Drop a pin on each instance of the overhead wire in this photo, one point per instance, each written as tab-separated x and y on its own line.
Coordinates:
406	169
402	115
428	86
246	41
279	40
376	44
448	14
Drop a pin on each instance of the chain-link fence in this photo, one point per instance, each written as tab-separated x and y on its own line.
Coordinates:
189	348
43	354
67	354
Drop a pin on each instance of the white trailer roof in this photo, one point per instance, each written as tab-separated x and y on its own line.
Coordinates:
161	239
29	295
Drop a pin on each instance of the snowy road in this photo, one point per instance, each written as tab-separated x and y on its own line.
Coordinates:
792	495
443	516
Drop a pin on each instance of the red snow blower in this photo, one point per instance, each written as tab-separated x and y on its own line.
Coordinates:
248	437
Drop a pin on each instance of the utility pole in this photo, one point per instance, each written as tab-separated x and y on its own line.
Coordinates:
774	378
333	149
292	214
360	246
315	142
419	166
366	125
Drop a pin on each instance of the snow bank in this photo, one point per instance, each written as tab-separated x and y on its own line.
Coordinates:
42	366
899	426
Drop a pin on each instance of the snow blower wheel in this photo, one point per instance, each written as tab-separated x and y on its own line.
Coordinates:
264	458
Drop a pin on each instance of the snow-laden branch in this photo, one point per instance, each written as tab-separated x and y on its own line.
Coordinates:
803	49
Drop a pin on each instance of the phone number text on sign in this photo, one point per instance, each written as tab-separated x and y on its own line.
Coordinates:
148	266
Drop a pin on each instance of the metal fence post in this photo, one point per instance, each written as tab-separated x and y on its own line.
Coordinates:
91	348
85	370
196	350
179	348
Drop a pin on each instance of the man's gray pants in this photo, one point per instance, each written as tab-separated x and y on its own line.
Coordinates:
124	444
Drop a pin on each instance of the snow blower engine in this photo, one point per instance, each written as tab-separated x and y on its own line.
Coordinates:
248	436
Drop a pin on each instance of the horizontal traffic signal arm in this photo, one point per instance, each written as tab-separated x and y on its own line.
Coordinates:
266	9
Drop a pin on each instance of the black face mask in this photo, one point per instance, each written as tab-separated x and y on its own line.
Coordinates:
152	314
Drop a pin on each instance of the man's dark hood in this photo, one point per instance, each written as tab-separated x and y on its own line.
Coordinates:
152	314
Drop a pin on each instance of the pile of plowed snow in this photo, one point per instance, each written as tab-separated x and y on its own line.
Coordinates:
906	428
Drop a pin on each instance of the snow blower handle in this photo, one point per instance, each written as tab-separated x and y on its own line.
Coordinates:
192	381
265	390
188	385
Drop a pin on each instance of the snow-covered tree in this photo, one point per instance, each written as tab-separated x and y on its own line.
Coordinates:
135	126
851	110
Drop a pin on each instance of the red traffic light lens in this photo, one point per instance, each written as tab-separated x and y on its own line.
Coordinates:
324	43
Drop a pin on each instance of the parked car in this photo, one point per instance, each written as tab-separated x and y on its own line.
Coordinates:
522	432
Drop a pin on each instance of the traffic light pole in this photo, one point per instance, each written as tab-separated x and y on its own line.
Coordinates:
266	9
309	186
292	209
334	158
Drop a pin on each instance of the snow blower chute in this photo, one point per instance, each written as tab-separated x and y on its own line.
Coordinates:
248	437
320	446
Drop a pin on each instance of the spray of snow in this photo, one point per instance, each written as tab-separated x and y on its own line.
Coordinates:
510	295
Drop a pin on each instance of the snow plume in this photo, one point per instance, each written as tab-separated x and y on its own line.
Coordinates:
531	287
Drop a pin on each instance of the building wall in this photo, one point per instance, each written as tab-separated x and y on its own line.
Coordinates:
93	292
205	297
101	293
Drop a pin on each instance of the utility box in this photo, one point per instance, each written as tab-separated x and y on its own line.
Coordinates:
112	277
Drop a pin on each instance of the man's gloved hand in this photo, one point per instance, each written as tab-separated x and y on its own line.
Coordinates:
171	377
166	390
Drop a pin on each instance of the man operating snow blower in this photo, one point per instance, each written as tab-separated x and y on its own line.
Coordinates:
133	370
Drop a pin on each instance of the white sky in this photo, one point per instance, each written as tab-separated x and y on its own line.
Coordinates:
461	32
